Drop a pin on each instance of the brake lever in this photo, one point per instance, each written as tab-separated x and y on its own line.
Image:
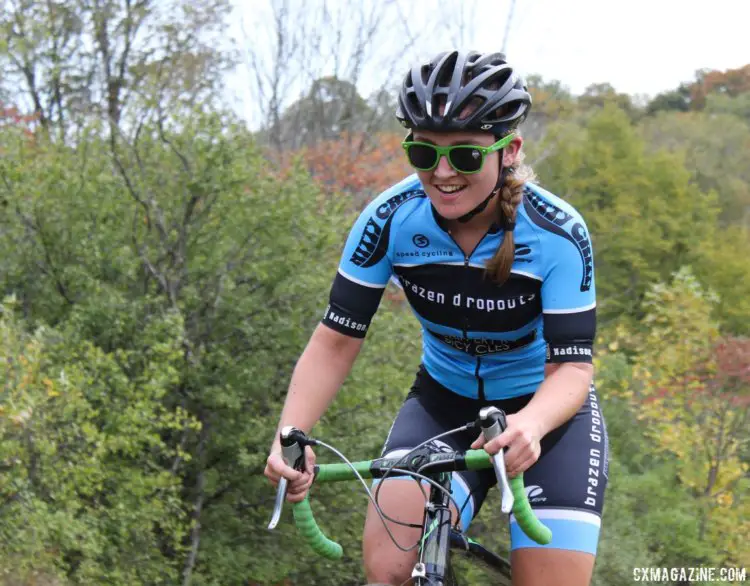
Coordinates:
293	455
493	424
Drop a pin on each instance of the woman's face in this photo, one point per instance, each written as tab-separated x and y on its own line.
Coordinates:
452	193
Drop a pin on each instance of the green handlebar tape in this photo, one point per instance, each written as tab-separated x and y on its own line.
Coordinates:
526	518
477	460
527	521
342	471
309	529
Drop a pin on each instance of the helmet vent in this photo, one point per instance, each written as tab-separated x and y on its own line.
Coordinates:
414	106
503	112
439	103
497	80
425	71
474	104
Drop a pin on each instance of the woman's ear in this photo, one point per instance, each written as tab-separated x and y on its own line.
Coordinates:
510	152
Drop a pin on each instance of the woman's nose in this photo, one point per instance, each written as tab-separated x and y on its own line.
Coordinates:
444	168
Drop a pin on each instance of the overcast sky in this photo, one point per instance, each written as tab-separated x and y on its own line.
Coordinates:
639	46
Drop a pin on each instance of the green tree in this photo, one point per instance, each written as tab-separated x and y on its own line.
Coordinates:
552	103
692	398
331	108
724	104
84	492
716	150
187	222
639	206
674	100
598	95
75	60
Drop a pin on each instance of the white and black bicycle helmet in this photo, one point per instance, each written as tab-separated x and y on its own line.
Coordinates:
434	95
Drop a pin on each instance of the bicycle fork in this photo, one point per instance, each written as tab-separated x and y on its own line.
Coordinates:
432	566
433	563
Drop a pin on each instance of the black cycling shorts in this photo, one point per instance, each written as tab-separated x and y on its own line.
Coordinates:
565	486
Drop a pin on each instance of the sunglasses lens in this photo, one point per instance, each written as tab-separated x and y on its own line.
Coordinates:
466	159
422	156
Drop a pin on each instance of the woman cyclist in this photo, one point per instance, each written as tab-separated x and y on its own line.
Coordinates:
500	274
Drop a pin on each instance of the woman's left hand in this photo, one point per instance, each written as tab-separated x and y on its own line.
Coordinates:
522	437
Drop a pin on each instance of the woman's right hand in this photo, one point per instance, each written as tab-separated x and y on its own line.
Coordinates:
299	482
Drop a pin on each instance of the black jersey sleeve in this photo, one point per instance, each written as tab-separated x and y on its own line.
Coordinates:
363	272
568	293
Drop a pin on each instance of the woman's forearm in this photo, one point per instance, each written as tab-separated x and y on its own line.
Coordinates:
560	395
317	378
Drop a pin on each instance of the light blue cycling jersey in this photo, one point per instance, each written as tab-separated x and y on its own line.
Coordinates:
480	340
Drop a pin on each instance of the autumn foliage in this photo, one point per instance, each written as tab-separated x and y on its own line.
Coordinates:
724	374
732	82
691	391
356	164
11	116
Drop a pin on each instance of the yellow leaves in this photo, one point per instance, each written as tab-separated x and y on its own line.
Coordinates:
725	499
674	368
50	386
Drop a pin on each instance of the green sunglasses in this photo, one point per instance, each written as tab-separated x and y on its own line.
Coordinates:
464	158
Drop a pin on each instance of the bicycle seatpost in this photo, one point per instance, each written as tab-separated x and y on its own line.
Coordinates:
493	424
293	454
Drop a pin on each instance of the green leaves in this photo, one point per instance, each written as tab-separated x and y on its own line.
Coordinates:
167	278
686	395
84	484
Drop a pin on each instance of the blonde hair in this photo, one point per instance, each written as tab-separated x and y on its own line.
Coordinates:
511	195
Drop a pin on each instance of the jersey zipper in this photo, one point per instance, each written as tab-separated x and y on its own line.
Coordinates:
480	381
467	258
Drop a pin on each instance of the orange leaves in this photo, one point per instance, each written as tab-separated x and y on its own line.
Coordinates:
733	358
357	164
10	116
731	379
724	374
731	82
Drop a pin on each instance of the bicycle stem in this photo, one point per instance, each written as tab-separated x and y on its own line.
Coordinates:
293	455
492	421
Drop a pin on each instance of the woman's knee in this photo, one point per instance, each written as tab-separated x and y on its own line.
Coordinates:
384	561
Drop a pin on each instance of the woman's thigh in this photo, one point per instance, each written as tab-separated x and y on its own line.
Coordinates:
402	502
565	488
425	413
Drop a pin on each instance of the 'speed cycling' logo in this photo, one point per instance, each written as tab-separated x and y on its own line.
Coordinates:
420	241
534	494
